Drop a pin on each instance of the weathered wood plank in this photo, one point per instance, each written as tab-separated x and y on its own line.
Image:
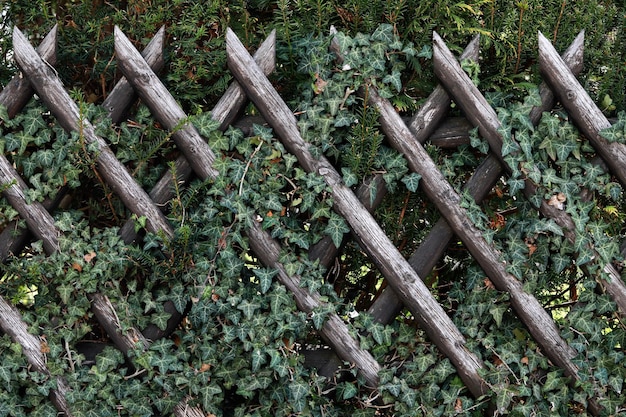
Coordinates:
435	108
226	109
119	100
123	95
334	330
18	91
48	86
590	120
13	325
438	190
580	107
466	95
14	97
367	232
469	99
163	106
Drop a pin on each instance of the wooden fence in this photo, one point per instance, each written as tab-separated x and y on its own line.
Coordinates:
406	288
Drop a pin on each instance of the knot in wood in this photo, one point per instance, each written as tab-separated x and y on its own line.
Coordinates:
571	95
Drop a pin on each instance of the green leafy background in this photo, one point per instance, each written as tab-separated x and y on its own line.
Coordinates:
239	350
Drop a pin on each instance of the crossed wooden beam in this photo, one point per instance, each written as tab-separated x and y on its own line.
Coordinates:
402	275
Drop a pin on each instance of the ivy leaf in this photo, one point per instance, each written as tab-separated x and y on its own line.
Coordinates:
336	228
65	292
613	190
343	119
207	393
258	359
383	33
32	122
515	185
278	299
349	178
248	308
412	181
265	278
205	124
45	157
219	143
297	390
160	319
509	146
560	262
11	142
6	373
497	311
553	381
394	79
614	133
231	266
346	390
423	362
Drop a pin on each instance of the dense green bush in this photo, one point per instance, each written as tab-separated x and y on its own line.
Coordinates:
237	352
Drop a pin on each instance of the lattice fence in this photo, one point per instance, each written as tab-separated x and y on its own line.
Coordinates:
403	276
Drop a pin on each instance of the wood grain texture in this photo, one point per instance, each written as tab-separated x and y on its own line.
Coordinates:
440	192
123	95
19	90
435	108
580	107
13	238
368	233
14	96
49	88
225	111
163	106
12	324
468	98
590	120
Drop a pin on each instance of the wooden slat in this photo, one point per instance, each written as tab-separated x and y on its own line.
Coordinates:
335	329
48	86
479	112
163	106
368	233
19	90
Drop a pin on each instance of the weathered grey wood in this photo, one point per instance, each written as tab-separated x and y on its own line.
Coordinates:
13	239
469	99
387	306
432	112
123	95
106	315
231	104
12	324
335	330
467	96
580	107
430	251
590	120
368	233
18	91
438	190
39	221
163	106
48	86
183	409
573	59
452	133
480	113
14	97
